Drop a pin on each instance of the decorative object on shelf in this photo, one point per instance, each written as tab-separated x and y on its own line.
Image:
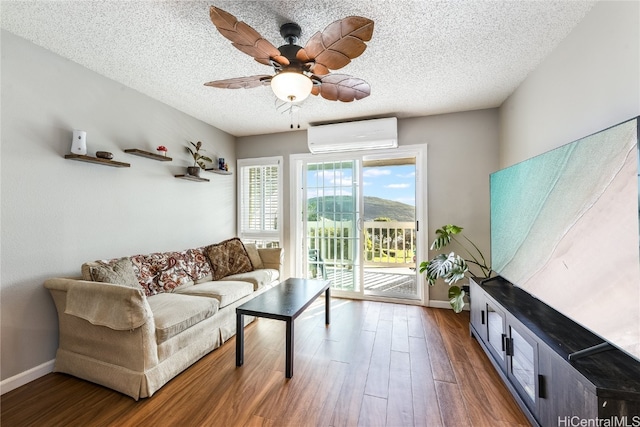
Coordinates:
162	150
79	142
198	159
221	163
89	159
104	155
219	171
148	155
452	267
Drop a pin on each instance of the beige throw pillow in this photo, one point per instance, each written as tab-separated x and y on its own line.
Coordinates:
254	256
120	273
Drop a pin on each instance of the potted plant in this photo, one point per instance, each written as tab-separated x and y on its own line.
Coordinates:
198	159
452	267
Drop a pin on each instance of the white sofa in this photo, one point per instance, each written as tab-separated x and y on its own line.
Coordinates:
135	335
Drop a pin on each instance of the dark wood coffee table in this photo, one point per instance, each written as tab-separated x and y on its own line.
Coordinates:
285	301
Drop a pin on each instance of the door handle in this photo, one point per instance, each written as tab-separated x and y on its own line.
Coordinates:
542	387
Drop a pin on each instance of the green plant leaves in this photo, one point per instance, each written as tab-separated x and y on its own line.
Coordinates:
443	236
456	298
198	159
449	267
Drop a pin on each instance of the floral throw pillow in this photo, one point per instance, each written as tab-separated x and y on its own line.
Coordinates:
162	271
228	257
198	264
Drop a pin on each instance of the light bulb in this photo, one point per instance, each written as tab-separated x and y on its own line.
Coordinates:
291	86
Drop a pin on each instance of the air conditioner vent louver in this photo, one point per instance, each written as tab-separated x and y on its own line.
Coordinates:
353	136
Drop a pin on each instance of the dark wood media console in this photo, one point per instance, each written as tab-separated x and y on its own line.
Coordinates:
529	344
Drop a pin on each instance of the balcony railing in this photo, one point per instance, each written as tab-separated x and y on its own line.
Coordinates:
389	244
386	243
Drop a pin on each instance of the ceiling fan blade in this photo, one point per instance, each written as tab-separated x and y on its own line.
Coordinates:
342	87
241	82
245	38
338	44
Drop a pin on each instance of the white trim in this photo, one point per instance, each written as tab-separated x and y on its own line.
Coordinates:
353	296
417	150
25	377
262	161
445	304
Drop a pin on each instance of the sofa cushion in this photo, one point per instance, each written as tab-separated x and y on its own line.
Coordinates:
162	271
117	271
254	255
227	292
174	313
228	257
258	278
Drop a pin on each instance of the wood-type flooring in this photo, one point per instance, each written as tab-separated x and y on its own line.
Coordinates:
377	364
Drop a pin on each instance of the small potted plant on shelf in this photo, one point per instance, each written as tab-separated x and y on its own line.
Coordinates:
162	150
452	267
198	159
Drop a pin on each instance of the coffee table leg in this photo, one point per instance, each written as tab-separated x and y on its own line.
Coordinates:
327	306
289	350
239	339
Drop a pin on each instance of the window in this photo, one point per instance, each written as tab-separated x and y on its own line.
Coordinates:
260	201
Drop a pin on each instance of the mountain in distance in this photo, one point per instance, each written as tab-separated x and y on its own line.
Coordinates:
374	207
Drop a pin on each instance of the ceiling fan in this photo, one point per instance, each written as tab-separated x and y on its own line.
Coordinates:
300	71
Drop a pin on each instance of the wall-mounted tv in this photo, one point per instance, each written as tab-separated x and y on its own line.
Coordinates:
565	228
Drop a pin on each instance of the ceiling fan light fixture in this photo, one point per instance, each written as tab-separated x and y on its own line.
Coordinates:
291	86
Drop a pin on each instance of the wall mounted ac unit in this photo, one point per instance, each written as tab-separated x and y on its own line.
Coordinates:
352	136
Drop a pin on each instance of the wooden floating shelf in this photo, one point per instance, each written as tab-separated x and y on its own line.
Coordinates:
219	171
148	154
192	178
90	159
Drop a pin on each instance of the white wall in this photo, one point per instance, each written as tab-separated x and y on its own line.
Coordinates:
57	213
590	82
462	152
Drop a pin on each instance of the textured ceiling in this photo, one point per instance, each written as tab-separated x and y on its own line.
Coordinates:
425	57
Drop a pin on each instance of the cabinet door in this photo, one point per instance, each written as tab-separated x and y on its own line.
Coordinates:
478	310
496	335
522	365
564	394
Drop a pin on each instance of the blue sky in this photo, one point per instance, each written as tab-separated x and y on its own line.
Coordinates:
395	183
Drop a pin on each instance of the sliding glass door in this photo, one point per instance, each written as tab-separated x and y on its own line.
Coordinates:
332	208
389	232
357	222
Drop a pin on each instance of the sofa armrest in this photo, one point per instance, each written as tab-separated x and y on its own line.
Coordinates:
272	258
115	306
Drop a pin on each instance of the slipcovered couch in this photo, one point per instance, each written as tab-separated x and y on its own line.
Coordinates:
134	323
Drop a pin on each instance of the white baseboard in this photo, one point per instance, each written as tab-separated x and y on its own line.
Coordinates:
26	377
445	304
